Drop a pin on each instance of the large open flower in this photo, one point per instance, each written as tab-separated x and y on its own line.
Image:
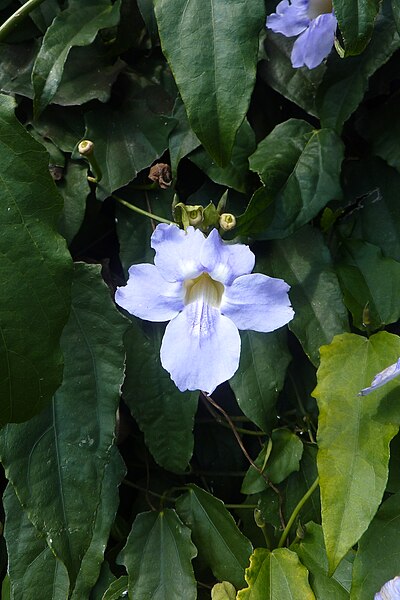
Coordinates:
315	24
390	591
203	286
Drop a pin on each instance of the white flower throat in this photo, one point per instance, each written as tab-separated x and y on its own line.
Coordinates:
203	288
319	7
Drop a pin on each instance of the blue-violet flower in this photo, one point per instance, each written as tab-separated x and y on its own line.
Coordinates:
390	591
203	286
315	24
381	378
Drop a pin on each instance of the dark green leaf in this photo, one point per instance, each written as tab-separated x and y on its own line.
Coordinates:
299	483
67	447
235	174
215	83
182	139
299	167
356	22
164	414
264	359
304	262
346	81
74	188
77	25
372	187
298	85
377	557
312	553
118	589
220	543
35	272
353	447
277	574
34	570
158	555
136	138
284	458
370	283
16	67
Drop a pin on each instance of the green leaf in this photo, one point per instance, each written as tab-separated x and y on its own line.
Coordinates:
356	22
299	167
78	25
182	139
74	188
277	574
353	450
370	282
396	13
374	186
346	81
264	359
312	553
35	272
298	85
220	543
377	557
164	414
216	83
118	590
299	483
137	137
304	262
283	459
158	555
223	591
235	174
53	455
34	570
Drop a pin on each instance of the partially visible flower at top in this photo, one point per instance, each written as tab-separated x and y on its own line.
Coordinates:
205	288
390	591
381	378
315	24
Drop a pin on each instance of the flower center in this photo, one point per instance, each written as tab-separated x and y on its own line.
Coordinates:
319	7
205	288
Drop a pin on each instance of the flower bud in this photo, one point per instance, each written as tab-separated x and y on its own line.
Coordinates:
195	214
259	518
227	221
85	147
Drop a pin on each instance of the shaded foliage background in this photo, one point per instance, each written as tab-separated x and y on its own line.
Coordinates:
115	482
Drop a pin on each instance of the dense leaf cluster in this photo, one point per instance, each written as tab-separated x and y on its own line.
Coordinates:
285	483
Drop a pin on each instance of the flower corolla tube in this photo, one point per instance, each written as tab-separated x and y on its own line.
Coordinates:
390	591
205	289
313	21
382	378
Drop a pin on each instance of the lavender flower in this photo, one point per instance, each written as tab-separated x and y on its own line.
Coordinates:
315	24
203	286
390	591
381	378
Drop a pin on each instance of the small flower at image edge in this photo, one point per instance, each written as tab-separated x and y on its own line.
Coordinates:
313	21
205	289
390	591
382	378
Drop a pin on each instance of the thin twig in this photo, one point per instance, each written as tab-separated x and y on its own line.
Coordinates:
15	19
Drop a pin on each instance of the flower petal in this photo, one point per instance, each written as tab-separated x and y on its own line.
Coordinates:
224	262
177	251
381	378
257	302
390	591
312	46
148	296
200	348
289	19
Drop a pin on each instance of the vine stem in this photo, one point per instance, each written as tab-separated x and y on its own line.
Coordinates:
296	511
145	213
17	17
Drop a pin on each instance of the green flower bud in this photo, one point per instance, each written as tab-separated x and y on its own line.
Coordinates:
195	214
227	221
